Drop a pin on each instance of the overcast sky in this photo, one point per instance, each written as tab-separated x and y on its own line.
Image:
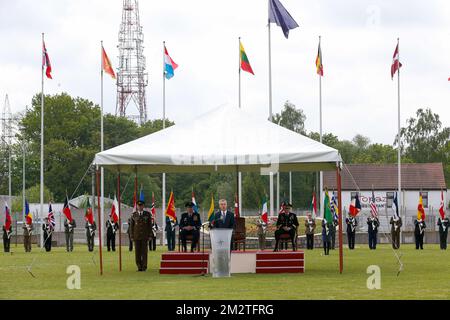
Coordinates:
358	41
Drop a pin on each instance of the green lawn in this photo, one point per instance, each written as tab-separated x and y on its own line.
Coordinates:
426	275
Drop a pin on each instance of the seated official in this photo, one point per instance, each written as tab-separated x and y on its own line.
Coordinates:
190	224
223	218
287	223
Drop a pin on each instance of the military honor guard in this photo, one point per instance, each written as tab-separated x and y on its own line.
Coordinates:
140	229
190	224
310	227
47	227
372	228
419	232
333	226
69	226
443	224
27	233
152	241
6	238
171	225
396	224
352	223
90	234
287	223
326	236
111	228
261	227
7	230
130	242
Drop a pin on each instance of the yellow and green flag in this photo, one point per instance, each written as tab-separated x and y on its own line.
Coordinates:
211	210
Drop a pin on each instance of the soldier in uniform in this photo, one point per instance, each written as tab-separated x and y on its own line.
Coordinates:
443	231
90	234
170	233
6	238
373	223
310	226
333	231
111	228
396	224
287	223
48	230
69	227
352	223
419	232
190	224
27	233
326	236
152	241
261	231
140	229
130	242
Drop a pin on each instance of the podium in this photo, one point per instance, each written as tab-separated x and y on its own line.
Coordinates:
221	254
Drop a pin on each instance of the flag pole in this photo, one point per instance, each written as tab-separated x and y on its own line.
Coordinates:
239	173
102	182
321	137
164	126
42	147
120	221
399	141
270	115
100	226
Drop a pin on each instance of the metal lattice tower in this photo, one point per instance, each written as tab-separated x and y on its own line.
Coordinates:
7	130
131	76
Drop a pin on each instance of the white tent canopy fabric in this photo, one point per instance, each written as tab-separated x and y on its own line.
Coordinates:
224	139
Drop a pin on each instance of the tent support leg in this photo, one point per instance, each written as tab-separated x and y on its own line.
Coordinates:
338	181
97	173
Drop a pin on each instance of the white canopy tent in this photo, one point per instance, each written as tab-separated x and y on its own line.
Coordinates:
221	140
224	139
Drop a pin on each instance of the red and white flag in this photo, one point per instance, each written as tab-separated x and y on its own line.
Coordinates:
314	204
46	62
441	208
153	209
236	206
115	210
395	62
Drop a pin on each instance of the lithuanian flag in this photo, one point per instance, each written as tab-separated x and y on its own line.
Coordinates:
245	64
211	210
170	210
420	209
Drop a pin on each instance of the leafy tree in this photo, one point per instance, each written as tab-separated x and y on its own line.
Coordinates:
291	118
32	195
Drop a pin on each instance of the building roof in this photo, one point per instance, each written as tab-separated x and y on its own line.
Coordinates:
415	176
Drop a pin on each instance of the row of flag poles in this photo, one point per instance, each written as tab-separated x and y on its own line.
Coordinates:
278	14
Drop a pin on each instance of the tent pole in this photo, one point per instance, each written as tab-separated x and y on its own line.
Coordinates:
120	222
100	224
339	187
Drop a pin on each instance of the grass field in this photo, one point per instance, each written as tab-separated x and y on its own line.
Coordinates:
426	275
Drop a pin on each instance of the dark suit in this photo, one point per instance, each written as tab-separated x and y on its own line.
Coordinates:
443	232
352	223
419	232
170	233
219	222
190	221
372	229
140	229
130	242
289	221
6	239
111	229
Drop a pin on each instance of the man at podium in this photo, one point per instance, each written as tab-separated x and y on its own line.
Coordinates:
223	218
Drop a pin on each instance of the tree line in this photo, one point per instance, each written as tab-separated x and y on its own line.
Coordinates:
72	138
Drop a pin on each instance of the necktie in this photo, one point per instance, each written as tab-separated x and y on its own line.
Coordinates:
223	216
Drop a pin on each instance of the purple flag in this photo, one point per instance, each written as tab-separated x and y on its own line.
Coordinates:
279	15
